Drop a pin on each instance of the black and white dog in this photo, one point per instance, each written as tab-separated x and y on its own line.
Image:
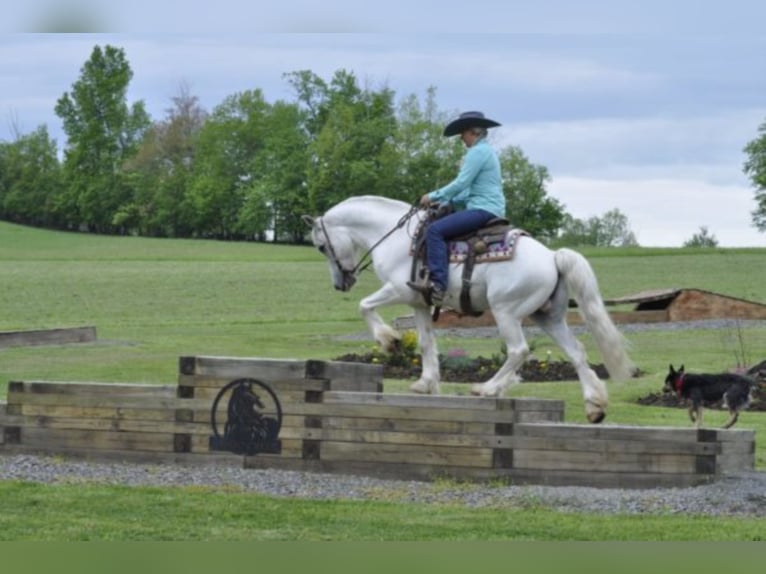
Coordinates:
734	390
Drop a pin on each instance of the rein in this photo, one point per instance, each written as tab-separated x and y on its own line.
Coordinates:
362	265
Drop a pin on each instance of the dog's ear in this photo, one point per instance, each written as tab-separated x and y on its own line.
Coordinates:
672	370
681	370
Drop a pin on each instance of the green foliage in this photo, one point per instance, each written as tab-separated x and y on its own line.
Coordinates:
702	239
160	173
427	160
30	177
755	169
103	132
610	230
529	206
249	169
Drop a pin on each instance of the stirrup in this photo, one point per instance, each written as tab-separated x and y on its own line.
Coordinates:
432	294
423	288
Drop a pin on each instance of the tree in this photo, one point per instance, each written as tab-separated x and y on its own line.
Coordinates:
351	139
276	197
426	159
232	136
610	230
702	239
102	131
755	168
29	179
528	204
161	170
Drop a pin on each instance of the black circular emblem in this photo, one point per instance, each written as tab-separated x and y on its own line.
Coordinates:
253	418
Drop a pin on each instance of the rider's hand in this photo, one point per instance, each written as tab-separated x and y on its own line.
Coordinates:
425	201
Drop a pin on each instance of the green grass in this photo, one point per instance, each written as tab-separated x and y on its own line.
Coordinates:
74	513
154	300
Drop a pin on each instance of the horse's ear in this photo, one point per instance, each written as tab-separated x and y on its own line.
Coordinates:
308	220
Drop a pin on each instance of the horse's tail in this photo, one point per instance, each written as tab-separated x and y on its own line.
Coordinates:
582	284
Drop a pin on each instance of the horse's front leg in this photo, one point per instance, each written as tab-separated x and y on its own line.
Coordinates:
385	336
429	376
388	338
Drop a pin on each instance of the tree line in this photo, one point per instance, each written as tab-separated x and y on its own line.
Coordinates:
250	168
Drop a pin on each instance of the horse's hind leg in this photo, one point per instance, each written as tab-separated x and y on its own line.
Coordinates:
517	351
594	390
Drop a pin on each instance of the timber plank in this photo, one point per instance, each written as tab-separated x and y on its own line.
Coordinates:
92	389
407	425
76	412
406	453
103	401
200	382
417	401
604	462
402	412
263	369
420	439
61	336
605	431
95	439
290	447
611	446
106	424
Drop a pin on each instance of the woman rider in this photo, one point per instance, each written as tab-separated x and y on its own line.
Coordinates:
476	195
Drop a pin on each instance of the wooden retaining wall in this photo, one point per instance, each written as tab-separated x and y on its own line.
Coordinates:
329	428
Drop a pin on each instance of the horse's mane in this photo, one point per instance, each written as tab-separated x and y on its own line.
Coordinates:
376	205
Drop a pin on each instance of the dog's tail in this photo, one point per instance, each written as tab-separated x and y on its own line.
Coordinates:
582	284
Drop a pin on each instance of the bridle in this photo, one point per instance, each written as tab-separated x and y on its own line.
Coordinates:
350	275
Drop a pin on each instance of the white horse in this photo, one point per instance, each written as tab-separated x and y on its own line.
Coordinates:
528	285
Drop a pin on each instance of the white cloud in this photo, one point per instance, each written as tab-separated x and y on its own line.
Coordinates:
679	147
666	212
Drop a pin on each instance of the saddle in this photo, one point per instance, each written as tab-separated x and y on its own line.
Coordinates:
495	241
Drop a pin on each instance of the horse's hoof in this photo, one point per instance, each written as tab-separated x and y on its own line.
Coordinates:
596	417
420	387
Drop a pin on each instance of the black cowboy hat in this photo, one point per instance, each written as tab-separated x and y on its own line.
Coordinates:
468	120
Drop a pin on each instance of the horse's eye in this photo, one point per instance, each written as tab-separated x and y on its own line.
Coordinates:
322	249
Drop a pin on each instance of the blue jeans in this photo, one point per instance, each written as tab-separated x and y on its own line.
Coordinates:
444	229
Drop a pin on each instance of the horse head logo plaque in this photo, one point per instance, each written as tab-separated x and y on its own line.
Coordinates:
253	418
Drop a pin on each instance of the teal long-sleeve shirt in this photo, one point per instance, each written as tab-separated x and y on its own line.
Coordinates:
479	184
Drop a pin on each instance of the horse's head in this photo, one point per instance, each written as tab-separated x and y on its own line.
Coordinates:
339	250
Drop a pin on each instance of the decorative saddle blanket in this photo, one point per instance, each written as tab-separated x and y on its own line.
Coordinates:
486	248
495	243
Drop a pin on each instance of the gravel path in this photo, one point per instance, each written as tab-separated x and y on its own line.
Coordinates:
743	495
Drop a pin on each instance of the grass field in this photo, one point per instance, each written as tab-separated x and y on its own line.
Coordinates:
154	300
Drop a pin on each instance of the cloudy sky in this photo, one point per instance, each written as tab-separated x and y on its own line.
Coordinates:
644	110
